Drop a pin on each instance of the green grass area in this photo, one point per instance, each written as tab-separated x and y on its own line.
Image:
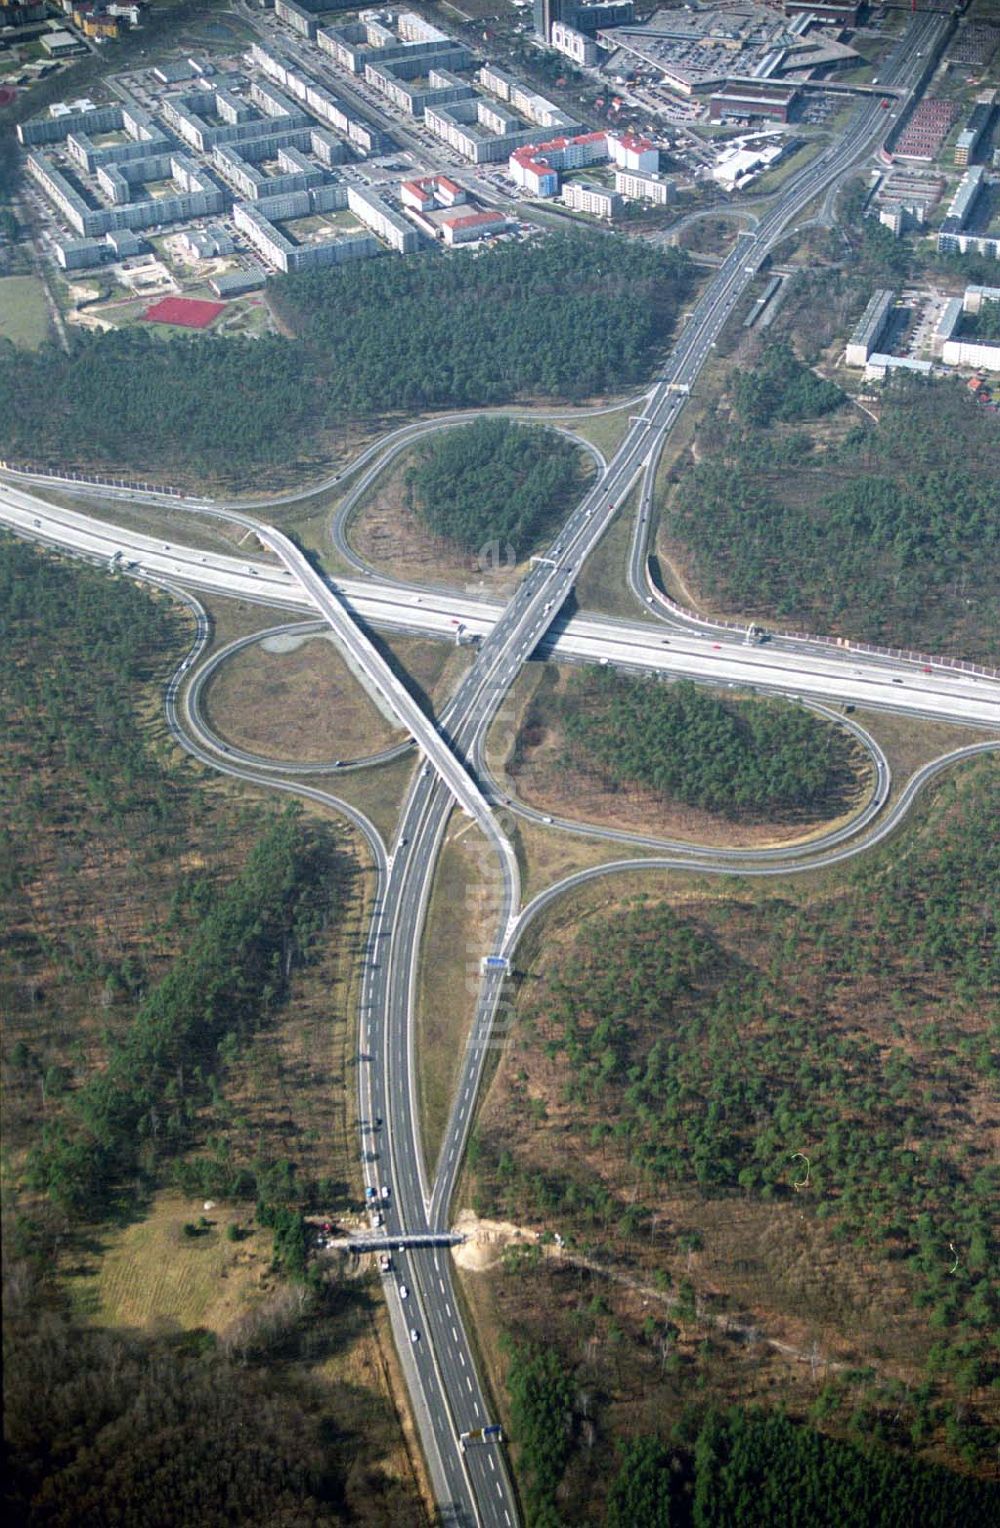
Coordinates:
605	431
378	791
603	583
593	174
460	929
24	314
151	1271
300	230
773	180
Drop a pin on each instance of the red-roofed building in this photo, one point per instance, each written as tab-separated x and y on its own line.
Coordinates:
418	194
528	169
536	166
468	226
449	193
630	152
431	191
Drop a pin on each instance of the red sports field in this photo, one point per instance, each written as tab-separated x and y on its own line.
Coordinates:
186	312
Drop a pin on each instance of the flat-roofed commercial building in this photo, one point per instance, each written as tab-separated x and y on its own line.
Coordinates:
751	98
976	353
196	194
345	119
405	83
970	138
878	367
376	213
956	349
236	283
82	254
536	108
975	296
61	44
952	238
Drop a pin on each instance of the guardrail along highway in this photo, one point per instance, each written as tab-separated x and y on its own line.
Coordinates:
473	1485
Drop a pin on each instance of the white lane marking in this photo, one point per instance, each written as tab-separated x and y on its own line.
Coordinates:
454	1334
475	1407
447	1308
499	1491
461	1359
441	1285
468	1384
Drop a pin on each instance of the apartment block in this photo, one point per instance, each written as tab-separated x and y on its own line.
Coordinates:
645	188
870	327
598	201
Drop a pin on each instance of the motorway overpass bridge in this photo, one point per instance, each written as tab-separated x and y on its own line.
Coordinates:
398	1241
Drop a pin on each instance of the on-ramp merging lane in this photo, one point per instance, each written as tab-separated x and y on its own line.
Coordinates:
474	1486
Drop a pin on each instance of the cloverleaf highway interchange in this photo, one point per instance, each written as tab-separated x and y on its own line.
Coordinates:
473	1485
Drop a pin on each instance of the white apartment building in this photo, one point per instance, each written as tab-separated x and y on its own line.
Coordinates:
644	188
630	152
583	196
580	48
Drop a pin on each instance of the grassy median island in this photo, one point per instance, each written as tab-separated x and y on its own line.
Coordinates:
675	758
467	507
178	978
293	697
495	480
460	930
755	1119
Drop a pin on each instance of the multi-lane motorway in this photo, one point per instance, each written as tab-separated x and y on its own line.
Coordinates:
473	1485
815	671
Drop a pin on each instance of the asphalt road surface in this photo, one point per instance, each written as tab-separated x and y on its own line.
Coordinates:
473	1484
